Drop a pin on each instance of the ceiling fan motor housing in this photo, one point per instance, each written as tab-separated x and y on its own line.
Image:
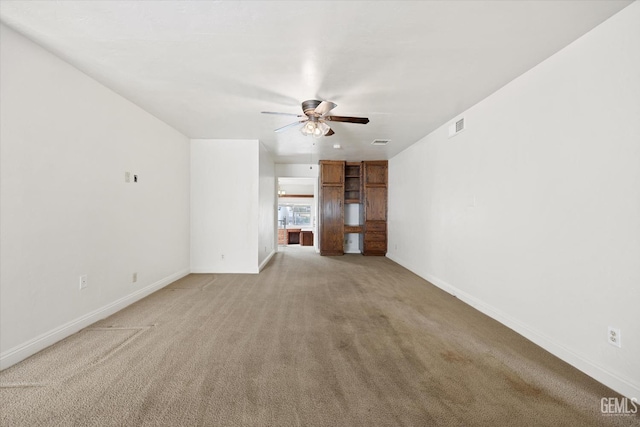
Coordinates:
309	106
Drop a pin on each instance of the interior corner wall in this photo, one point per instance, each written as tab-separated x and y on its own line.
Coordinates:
267	208
66	142
224	206
532	213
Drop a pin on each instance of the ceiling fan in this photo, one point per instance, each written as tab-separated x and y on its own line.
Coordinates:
315	118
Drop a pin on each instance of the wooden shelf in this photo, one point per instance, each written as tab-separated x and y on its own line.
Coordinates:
352	170
353	229
352	183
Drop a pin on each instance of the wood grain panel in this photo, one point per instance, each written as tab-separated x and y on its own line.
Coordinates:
376	226
375	237
375	247
331	172
353	229
375	203
332	220
375	173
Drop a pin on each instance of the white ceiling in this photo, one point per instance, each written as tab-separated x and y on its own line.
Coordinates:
209	68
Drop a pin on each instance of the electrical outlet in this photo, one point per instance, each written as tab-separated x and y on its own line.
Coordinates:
83	282
127	177
222	257
614	337
135	277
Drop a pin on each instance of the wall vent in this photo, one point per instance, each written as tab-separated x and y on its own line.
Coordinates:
380	142
456	127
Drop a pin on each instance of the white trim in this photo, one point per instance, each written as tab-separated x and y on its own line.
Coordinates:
218	270
576	360
266	260
31	347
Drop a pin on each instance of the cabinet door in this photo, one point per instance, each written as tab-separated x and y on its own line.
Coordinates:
375	208
332	221
331	172
375	244
375	173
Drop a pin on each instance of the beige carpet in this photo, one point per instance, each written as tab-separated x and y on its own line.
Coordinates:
311	341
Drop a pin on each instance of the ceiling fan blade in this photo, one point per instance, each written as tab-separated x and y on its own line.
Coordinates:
361	120
325	107
283	114
289	125
331	132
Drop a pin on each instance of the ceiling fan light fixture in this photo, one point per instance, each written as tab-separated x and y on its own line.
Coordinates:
309	128
324	128
315	128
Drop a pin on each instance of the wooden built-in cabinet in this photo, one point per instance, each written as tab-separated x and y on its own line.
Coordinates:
373	240
375	173
306	238
331	207
363	183
332	173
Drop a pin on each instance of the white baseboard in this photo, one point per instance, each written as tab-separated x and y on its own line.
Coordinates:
218	270
266	260
31	347
578	361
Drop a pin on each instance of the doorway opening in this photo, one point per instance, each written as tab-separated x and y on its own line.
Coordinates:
296	212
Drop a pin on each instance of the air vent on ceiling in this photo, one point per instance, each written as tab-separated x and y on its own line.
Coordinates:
380	142
456	127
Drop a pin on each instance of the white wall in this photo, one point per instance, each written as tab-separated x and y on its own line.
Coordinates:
532	214
298	170
267	237
224	206
66	142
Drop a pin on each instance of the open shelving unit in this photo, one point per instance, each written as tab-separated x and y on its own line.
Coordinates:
352	182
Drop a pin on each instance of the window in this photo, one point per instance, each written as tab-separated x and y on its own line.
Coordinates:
294	214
